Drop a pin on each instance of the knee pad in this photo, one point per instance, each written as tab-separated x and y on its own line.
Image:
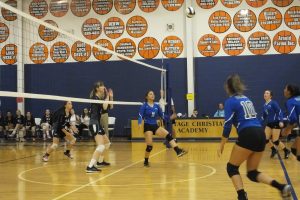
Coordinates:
54	146
252	175
267	141
107	145
149	148
276	142
169	137
100	148
232	170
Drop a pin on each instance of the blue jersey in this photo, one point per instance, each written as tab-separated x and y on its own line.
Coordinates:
272	112
293	107
240	112
150	114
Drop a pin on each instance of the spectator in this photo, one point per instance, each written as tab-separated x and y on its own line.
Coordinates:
46	124
195	113
1	122
9	123
19	129
85	120
30	125
74	122
220	111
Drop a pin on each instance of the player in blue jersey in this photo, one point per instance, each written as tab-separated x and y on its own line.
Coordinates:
273	119
240	112
292	93
149	112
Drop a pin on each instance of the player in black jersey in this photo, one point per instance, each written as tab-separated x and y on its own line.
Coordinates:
97	131
46	124
61	127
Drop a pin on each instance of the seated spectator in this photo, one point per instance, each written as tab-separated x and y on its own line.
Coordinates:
74	122
84	120
220	111
30	125
19	129
195	113
9	123
46	124
1	123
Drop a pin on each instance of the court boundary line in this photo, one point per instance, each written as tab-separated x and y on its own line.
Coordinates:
287	177
104	177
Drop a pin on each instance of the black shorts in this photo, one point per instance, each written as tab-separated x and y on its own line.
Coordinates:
59	134
151	127
252	138
96	129
273	125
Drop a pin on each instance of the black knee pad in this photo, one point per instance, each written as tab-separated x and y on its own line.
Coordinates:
169	137
276	142
252	175
267	141
232	170
149	148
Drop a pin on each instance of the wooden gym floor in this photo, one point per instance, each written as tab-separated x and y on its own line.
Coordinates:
198	175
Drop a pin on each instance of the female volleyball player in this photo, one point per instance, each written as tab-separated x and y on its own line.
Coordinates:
240	112
46	124
61	127
273	118
97	131
292	93
150	111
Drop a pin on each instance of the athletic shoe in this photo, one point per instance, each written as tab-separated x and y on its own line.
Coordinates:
181	152
245	197
92	169
103	164
45	158
286	193
287	154
146	164
274	152
68	155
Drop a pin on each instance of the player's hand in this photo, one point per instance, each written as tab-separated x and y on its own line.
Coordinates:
220	150
281	124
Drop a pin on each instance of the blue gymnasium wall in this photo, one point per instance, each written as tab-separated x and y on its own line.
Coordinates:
128	80
258	72
8	82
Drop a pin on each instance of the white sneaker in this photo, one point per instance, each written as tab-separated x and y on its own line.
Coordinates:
286	193
45	158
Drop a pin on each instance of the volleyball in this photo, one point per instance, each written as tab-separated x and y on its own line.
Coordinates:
190	12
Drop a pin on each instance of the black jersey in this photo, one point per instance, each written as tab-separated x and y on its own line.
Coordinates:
62	121
95	111
9	121
29	122
20	120
47	119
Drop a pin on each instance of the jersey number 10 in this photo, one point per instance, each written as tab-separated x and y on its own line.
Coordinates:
248	109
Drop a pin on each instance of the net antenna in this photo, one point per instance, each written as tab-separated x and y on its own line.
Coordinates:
72	36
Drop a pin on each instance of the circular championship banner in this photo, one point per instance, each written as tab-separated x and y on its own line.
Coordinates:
80	8
148	5
103	55
59	8
81	51
148	48
38	8
284	42
4	32
102	7
48	34
7	14
9	54
172	46
282	3
38	53
270	19
292	17
125	6
231	3
256	3
259	43
136	26
59	52
126	47
244	20
209	45
113	27
91	28
172	5
219	21
233	44
207	4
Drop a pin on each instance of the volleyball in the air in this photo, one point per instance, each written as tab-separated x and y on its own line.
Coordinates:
190	12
